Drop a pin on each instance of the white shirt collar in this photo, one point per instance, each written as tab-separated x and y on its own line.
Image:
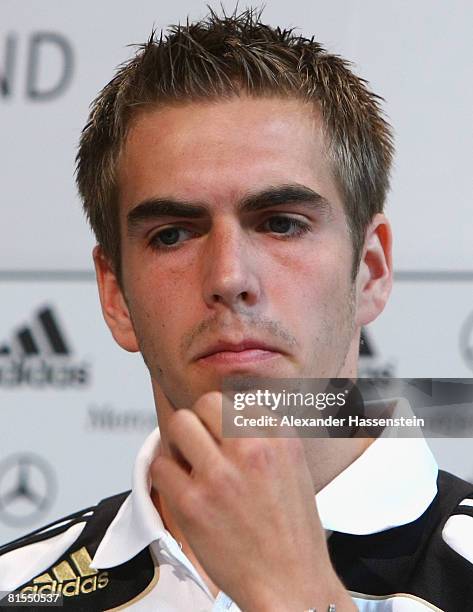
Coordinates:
392	483
137	523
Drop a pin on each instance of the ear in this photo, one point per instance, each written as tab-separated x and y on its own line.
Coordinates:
114	307
374	278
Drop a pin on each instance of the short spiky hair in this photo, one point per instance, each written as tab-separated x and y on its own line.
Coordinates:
224	57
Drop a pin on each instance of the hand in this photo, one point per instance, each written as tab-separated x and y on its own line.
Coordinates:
248	511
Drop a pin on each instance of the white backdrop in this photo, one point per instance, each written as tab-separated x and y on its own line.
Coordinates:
73	416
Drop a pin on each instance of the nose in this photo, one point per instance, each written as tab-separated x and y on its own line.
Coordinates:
230	268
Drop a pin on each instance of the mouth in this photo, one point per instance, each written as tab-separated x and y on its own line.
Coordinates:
230	353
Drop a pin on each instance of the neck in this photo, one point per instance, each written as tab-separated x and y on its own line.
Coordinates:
328	457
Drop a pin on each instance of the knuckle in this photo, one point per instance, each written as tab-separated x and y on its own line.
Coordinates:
221	486
218	477
257	453
188	501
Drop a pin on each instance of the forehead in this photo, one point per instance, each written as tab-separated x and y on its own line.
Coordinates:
218	151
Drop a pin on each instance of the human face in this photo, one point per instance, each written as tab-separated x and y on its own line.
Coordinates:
236	254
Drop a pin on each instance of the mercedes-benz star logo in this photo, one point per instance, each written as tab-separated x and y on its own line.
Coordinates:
27	488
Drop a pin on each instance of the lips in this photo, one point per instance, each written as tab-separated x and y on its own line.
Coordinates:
250	346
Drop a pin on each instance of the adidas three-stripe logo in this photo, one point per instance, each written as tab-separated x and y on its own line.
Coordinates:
43	336
70	577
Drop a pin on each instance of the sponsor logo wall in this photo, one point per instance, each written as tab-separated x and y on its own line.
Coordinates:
74	408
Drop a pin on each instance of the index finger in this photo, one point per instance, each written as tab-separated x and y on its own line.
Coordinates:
209	410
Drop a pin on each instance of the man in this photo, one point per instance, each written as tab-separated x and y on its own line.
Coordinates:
235	175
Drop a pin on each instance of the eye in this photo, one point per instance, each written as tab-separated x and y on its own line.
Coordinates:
286	226
169	237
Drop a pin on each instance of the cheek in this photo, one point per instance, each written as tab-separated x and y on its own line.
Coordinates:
313	275
163	308
312	295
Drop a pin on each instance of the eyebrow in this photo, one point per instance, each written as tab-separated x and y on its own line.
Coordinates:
155	208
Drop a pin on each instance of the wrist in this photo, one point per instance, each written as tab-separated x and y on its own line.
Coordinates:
312	599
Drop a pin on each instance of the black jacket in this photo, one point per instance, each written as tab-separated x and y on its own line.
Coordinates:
412	559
